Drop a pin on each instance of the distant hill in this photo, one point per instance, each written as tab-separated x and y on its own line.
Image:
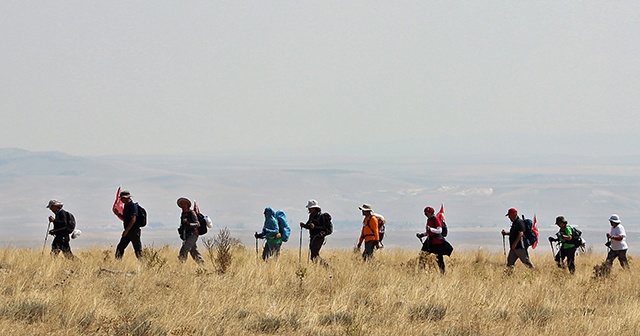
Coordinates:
234	191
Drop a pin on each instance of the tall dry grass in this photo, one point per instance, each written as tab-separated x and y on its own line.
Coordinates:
391	295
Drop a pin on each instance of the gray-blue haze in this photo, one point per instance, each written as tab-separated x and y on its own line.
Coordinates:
234	191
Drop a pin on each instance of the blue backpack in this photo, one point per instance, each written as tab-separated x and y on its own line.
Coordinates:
529	236
283	226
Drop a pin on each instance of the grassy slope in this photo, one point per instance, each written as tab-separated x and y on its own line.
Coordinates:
389	296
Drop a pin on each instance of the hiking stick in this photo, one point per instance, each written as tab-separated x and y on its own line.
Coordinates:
300	249
256	248
45	237
504	250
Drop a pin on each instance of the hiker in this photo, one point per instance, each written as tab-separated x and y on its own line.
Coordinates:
63	225
517	249
434	243
567	247
188	231
271	234
617	242
131	233
318	229
370	234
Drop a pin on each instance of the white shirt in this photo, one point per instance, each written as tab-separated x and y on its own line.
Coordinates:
618	245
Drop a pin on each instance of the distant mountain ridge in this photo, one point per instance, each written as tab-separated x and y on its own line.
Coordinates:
234	191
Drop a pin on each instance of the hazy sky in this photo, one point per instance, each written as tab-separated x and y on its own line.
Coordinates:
414	77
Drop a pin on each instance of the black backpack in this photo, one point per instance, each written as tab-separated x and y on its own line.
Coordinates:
325	218
445	230
202	229
141	219
576	237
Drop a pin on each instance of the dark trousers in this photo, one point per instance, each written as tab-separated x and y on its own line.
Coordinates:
437	250
271	250
369	247
61	244
621	255
315	244
134	238
570	254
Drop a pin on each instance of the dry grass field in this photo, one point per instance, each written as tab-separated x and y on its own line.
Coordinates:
97	295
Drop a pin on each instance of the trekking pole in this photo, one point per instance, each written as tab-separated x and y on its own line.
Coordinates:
45	237
300	249
256	248
504	250
552	250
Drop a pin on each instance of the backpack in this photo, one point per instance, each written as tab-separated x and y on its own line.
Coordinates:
202	220
445	230
576	237
529	236
283	226
328	226
141	219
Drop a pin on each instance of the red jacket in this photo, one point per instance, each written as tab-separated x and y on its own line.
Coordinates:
433	224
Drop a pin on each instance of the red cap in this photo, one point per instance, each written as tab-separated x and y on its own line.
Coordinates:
429	209
512	211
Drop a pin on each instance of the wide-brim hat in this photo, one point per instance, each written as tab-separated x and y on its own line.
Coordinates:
614	219
312	204
365	207
560	219
125	194
183	200
54	202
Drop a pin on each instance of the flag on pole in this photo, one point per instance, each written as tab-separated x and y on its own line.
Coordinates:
195	207
118	206
534	228
440	213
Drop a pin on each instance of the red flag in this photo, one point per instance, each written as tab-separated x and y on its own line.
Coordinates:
440	213
195	207
534	228
118	206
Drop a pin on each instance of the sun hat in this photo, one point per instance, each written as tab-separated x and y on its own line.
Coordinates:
183	200
366	207
312	204
511	211
560	219
614	219
54	202
125	194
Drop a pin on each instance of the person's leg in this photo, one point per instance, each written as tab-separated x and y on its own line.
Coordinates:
368	250
558	258
195	254
523	255
571	255
66	248
622	258
187	245
122	245
56	246
315	245
441	263
137	244
511	258
610	257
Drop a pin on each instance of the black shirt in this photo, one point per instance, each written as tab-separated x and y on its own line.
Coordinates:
516	228
130	210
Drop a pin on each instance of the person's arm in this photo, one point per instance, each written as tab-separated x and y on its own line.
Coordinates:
131	223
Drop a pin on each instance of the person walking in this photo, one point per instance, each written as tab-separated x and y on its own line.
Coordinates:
318	225
131	233
617	242
63	225
370	232
434	243
517	249
188	231
567	247
271	233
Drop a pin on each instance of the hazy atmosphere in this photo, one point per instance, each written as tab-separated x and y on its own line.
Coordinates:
241	105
